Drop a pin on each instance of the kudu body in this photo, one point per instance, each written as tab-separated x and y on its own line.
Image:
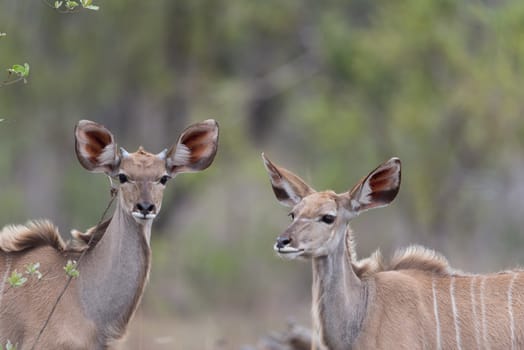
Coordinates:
416	301
99	303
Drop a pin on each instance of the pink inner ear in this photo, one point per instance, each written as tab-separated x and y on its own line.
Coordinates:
198	143
384	185
95	143
381	184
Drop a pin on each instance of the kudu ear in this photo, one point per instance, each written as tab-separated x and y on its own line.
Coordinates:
195	149
376	190
96	148
288	187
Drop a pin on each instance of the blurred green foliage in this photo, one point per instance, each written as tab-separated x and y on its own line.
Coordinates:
327	89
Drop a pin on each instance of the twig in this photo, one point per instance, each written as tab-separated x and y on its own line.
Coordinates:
10	82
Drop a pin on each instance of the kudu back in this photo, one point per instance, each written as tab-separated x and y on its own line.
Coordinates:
414	301
99	303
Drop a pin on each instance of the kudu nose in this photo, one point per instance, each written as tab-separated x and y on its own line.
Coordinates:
283	241
145	207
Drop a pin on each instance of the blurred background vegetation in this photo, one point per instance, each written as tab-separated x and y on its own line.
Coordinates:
328	89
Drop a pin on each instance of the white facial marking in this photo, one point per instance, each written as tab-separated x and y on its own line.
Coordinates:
141	216
510	310
474	311
286	249
4	278
435	311
288	252
455	313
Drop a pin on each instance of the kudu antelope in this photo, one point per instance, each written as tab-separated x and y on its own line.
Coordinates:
98	305
416	301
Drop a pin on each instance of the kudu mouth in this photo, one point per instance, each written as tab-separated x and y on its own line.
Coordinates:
144	211
141	216
287	251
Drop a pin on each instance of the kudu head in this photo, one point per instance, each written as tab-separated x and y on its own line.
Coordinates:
142	176
319	218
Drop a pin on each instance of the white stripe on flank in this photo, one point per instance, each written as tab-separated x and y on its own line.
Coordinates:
483	309
455	313
4	278
435	310
474	311
510	310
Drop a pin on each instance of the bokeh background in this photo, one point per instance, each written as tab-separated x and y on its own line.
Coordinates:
329	89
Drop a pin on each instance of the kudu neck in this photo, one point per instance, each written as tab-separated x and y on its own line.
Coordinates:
339	261
339	296
113	273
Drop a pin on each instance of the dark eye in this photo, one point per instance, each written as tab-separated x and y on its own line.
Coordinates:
328	219
122	178
292	216
164	179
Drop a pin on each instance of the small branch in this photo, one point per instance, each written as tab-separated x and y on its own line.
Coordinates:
11	82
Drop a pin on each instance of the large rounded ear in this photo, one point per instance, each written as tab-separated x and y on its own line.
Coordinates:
195	149
96	148
378	189
288	187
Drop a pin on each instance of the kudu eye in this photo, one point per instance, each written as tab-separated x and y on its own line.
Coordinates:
328	219
122	178
164	179
292	216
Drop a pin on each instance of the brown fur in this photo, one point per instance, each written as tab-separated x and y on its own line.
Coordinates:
16	238
23	309
84	240
414	257
36	233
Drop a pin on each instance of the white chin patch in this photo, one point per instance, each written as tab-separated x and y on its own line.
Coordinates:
141	216
288	252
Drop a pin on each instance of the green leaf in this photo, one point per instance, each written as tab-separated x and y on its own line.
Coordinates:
17	69
71	270
88	4
58	4
71	5
16	279
22	71
33	270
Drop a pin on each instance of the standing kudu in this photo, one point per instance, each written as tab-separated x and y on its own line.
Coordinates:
98	305
416	301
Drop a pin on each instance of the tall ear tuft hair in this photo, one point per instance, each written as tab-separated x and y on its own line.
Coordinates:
96	148
378	189
195	149
288	187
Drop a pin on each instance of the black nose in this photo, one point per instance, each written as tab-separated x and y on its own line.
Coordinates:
145	207
283	241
